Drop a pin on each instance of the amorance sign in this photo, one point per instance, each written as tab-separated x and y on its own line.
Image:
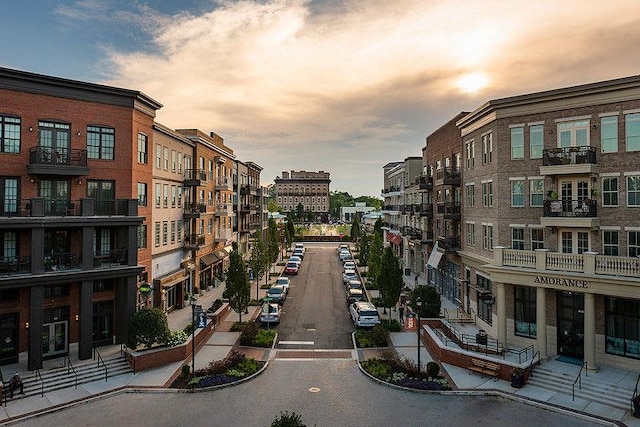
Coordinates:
561	281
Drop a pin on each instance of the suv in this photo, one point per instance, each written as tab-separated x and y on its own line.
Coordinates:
298	252
345	255
364	314
270	313
277	293
284	282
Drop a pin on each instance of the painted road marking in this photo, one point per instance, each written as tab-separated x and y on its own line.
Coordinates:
297	342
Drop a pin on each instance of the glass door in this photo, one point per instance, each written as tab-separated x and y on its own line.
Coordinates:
9	339
54	338
571	324
55	141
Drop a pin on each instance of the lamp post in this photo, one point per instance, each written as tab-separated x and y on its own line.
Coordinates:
419	306
193	334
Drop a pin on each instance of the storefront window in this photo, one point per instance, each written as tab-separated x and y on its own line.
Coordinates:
525	304
623	327
484	303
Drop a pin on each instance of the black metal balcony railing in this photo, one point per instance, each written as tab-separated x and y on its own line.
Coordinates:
425	182
246	190
449	243
60	261
427	210
194	239
568	156
194	209
451	176
570	208
15	265
427	236
57	156
195	175
450	210
109	258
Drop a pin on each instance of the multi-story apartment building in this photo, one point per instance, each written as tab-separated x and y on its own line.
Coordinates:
551	240
248	204
75	242
170	258
209	232
304	191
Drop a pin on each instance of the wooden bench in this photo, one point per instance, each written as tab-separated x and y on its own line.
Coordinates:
485	368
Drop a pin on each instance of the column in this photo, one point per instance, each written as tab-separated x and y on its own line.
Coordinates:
501	311
85	318
35	327
541	322
590	331
125	305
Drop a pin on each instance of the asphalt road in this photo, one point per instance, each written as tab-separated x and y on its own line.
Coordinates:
315	314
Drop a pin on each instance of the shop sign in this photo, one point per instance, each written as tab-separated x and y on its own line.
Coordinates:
561	281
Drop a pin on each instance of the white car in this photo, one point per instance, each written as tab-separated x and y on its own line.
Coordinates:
270	313
364	314
345	255
277	293
284	282
343	247
349	275
297	259
349	265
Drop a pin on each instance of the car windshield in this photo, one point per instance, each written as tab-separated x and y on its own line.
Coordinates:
270	308
368	313
275	290
292	264
282	282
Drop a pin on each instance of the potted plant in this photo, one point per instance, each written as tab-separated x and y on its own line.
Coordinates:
595	192
517	377
552	194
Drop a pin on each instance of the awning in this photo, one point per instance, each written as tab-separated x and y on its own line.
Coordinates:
189	265
435	257
394	238
207	260
221	254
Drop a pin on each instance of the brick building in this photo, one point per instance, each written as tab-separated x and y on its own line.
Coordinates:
308	190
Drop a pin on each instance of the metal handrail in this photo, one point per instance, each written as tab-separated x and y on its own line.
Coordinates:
578	380
445	313
106	370
473	315
635	393
523	350
4	395
123	351
71	368
37	375
529	368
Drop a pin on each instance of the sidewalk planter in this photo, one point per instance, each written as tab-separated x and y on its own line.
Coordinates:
517	378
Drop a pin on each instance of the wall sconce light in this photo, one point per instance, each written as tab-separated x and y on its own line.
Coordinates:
79	133
595	126
79	182
26	325
77	317
30	128
32	180
550	131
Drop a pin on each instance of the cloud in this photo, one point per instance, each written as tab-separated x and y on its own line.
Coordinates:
295	84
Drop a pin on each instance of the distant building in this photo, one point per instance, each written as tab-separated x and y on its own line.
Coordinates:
308	189
348	213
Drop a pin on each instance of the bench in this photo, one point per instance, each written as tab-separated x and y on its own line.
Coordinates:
485	368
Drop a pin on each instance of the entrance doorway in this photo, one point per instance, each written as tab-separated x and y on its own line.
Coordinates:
570	324
55	338
9	339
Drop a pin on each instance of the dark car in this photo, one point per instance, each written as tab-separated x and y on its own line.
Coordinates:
355	295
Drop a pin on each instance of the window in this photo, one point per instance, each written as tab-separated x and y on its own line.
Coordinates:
142	149
142	236
536	141
633	190
487	237
9	134
9	246
100	142
210	226
471	195
470	149
487	148
157	234
633	241
609	134
525	317
179	197
517	238
158	156
487	194
537	238
573	134
470	233
173	231
165	232
484	298
173	161
517	143
174	195
536	193
180	160
610	191
165	196
9	195
158	195
632	131
104	193
517	193
142	194
610	242
622	327
179	230
165	158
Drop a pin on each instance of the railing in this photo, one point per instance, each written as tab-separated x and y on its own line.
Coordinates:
71	369
4	387
578	380
13	208
106	370
15	265
529	367
109	258
473	315
449	209
195	175
425	182
469	342
449	243
568	156
59	207
57	156
445	313
123	348
194	239
38	376
586	208
195	208
521	351
60	261
633	398
222	181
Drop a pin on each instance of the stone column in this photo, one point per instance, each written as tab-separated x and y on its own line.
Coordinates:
590	331
541	322
501	311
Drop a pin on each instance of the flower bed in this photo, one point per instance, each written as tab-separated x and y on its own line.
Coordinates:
404	373
232	368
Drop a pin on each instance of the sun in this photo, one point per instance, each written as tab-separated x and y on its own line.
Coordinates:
472	82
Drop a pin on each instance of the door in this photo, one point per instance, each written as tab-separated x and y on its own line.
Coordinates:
54	142
572	194
9	339
571	324
55	338
574	241
56	195
102	323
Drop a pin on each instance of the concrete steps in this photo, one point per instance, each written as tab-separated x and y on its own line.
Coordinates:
592	389
60	377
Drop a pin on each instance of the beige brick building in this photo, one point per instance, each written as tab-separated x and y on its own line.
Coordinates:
310	190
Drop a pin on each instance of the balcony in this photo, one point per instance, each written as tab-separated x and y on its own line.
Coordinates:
425	182
58	207
570	213
223	235
450	210
427	236
15	265
245	190
569	160
449	243
451	176
194	177
194	241
194	210
223	183
392	189
416	234
224	209
109	258
426	210
57	161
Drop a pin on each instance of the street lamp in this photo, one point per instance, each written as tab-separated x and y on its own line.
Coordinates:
193	334
418	305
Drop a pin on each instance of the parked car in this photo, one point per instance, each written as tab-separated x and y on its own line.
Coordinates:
299	246
298	252
349	275
349	265
364	314
345	256
291	269
343	247
355	295
277	294
354	284
295	259
270	313
285	282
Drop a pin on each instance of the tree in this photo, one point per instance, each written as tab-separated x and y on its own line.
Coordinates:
355	229
147	327
273	206
363	245
238	287
430	301
370	201
291	229
300	212
390	279
273	242
257	257
375	257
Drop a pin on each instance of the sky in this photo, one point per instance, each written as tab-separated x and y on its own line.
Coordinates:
340	86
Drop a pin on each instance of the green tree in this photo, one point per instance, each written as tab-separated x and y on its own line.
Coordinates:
274	206
337	200
362	246
238	288
375	257
370	201
430	301
300	212
290	229
390	279
287	419
257	257
273	242
147	327
355	229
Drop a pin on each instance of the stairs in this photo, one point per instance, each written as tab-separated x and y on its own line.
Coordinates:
613	395
58	378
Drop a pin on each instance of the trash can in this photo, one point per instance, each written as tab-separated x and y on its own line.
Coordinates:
481	337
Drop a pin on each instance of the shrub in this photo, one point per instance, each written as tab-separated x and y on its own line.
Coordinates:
185	371
433	369
238	326
376	337
175	338
287	419
215	306
376	367
249	333
391	326
147	327
264	338
188	329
